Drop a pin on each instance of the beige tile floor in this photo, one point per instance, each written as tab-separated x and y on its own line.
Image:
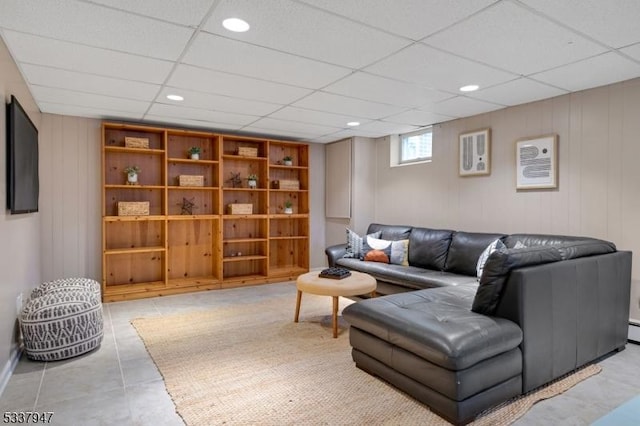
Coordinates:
118	384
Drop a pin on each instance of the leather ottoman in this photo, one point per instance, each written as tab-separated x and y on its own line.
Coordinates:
429	344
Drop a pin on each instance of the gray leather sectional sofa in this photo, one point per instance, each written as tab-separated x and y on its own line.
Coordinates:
462	344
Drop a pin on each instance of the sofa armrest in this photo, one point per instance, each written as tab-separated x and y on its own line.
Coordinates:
334	253
570	312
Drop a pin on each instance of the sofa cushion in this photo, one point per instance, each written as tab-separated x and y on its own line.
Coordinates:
407	276
437	325
496	272
390	232
540	239
354	243
465	249
584	248
428	247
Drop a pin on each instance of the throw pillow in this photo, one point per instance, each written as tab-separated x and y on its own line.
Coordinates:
354	243
495	245
519	245
377	250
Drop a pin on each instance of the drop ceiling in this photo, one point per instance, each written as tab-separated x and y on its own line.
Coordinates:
307	67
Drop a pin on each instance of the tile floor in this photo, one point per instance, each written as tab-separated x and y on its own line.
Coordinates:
119	384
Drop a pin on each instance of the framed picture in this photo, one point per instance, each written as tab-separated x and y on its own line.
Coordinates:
537	162
475	153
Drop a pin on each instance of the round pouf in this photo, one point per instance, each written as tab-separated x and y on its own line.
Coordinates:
88	284
61	324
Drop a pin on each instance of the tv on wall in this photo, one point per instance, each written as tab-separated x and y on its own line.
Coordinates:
23	185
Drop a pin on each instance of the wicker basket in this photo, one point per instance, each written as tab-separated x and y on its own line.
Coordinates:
133	208
240	208
131	142
286	184
247	151
190	180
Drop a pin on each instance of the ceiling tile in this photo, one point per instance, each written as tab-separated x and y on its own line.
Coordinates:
236	57
260	131
88	83
349	133
302	30
217	102
433	68
31	49
191	123
516	92
380	89
414	19
315	117
324	139
164	110
514	39
99	26
184	12
189	77
418	118
284	126
461	106
612	22
78	99
600	70
383	128
328	102
633	51
86	111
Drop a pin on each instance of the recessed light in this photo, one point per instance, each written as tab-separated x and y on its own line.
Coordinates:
236	25
353	123
175	97
469	88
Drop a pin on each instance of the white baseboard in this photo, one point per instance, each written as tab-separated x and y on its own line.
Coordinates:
634	332
7	371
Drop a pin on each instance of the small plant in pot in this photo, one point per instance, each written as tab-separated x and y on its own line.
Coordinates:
194	152
287	161
288	207
252	180
132	174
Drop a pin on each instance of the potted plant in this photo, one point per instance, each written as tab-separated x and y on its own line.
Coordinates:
288	207
252	180
132	174
287	161
194	152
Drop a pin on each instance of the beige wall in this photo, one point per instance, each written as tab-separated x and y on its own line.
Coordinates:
19	234
599	175
317	244
363	191
70	195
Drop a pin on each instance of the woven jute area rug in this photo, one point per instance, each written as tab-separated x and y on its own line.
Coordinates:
251	364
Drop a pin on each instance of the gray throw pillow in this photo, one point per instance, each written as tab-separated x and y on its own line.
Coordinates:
354	243
495	245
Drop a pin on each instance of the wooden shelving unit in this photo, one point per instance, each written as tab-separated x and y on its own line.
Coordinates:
189	241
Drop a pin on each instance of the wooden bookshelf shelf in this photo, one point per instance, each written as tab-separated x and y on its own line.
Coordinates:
188	242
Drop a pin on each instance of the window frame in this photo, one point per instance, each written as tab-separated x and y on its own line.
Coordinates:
401	138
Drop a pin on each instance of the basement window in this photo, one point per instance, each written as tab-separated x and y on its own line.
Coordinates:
415	147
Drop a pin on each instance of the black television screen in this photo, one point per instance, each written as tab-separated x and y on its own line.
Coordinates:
23	186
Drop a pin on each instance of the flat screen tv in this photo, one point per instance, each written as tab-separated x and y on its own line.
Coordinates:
23	185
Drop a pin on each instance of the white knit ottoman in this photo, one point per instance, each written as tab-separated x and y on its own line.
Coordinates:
63	320
88	284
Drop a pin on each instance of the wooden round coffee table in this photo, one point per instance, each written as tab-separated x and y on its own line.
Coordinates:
356	284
